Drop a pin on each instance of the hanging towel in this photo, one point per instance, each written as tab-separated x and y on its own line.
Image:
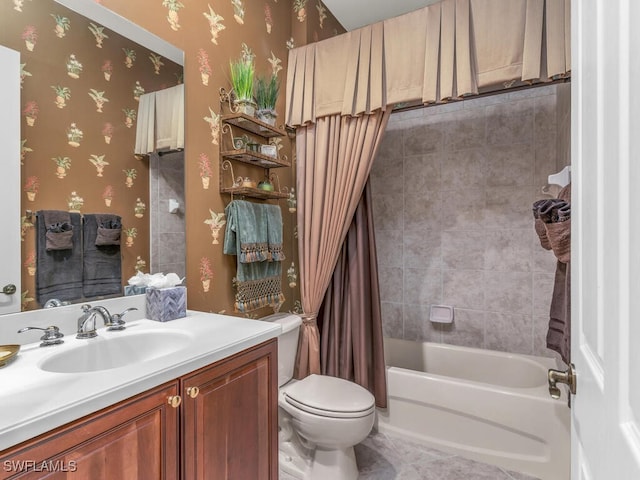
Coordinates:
246	231
109	230
102	263
258	280
58	271
559	234
59	234
274	232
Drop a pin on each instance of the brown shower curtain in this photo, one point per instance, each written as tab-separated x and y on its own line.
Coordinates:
334	157
350	320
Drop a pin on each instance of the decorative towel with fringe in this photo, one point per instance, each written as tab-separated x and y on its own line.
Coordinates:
254	234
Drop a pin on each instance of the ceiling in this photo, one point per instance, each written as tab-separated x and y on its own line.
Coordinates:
354	14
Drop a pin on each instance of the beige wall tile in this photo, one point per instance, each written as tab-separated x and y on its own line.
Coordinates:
422	139
510	123
464	169
463	249
417	325
422	249
509	333
463	289
389	247
423	286
466	330
392	315
508	251
508	292
510	165
463	209
391	286
422	211
421	174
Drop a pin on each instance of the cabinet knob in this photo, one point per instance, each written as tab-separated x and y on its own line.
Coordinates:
193	392
174	401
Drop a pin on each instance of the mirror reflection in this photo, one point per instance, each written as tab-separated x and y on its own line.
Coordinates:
81	84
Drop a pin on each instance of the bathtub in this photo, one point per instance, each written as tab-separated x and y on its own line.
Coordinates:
485	405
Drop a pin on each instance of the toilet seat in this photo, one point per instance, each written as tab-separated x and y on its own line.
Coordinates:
330	397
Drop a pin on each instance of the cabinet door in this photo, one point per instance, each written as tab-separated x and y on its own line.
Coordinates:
132	440
230	427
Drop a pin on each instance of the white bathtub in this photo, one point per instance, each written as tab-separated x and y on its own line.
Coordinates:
489	406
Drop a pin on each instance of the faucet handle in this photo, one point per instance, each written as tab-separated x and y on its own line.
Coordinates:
52	335
117	323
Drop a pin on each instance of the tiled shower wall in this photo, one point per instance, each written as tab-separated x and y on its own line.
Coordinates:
168	237
452	187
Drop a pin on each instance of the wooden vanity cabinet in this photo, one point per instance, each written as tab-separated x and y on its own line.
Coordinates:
219	422
230	426
134	439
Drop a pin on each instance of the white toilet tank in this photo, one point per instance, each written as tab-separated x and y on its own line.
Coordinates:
287	343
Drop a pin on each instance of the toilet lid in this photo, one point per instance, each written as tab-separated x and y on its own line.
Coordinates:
330	397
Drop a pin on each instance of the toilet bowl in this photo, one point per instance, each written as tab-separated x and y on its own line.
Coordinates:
320	418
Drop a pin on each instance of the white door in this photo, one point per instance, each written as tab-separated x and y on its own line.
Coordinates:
10	189
606	239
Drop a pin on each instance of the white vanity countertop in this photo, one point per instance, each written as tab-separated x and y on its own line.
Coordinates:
34	401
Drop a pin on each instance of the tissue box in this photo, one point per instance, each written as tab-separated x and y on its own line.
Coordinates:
164	304
134	289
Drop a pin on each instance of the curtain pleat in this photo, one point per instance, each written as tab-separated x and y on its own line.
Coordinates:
532	49
567	35
404	53
443	51
332	63
146	124
465	71
431	84
334	157
555	27
350	319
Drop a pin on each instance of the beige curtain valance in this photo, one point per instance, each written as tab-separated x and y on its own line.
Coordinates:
443	51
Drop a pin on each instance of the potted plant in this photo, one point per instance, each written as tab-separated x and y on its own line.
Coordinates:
266	96
242	73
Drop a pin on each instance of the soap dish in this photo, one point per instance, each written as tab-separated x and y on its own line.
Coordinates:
7	352
441	313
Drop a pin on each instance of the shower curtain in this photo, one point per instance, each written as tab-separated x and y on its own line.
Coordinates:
350	320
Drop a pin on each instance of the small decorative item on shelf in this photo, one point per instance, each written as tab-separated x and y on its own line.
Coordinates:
253	147
269	150
242	72
240	142
266	186
266	95
247	182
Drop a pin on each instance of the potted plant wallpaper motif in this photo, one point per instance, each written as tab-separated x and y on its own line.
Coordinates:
216	222
205	170
62	95
206	273
215	24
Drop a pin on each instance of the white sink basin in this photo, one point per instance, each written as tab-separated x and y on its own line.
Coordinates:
102	353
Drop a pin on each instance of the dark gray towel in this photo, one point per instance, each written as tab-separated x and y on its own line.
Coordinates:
102	263
58	272
59	233
109	230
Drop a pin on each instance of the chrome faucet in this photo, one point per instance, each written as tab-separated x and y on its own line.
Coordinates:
54	302
87	322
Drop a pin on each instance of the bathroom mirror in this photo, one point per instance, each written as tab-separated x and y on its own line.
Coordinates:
82	70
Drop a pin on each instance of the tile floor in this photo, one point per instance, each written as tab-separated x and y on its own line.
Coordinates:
387	457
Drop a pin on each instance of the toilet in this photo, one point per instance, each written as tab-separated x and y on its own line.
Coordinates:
320	418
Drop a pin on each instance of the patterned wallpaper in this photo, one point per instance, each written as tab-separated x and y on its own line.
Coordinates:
80	89
211	33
